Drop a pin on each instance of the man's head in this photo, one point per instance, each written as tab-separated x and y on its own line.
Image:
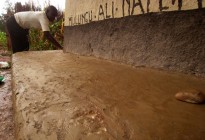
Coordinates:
51	13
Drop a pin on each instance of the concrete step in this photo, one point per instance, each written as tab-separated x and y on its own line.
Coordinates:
62	96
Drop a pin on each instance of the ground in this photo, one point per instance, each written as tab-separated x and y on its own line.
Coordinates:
6	109
62	96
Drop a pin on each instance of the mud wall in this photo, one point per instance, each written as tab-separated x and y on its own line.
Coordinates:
167	34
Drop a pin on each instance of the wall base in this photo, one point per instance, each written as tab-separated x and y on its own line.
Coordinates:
168	40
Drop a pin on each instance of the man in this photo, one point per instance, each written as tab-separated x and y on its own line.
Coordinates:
18	27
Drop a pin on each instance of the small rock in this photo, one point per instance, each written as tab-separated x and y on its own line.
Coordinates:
4	65
191	96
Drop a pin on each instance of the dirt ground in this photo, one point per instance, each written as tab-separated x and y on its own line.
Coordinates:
6	109
62	96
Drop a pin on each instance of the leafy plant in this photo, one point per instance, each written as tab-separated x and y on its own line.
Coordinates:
3	41
38	42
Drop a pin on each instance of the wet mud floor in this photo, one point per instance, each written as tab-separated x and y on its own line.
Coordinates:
6	110
68	97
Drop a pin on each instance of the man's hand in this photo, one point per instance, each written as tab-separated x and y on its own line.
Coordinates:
52	40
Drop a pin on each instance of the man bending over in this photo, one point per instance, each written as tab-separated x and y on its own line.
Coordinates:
18	27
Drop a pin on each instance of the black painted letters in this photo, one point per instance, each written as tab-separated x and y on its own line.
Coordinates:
139	3
109	9
161	8
123	7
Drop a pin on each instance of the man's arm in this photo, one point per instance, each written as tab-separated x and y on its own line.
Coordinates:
52	40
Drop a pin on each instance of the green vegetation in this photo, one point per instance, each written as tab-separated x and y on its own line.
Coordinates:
3	41
37	42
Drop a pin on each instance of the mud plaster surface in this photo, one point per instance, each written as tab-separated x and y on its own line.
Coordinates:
68	97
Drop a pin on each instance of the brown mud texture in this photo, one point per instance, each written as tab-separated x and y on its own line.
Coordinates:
6	109
62	96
